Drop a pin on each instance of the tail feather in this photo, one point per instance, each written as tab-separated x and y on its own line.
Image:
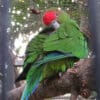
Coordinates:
33	79
26	97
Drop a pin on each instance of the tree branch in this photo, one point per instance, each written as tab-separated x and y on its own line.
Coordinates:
78	83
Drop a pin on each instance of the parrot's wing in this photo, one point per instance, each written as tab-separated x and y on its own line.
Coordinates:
52	56
35	46
34	49
67	38
34	75
33	52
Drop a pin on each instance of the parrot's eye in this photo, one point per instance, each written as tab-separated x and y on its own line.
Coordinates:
55	24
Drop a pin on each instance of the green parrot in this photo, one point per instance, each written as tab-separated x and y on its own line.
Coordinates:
53	50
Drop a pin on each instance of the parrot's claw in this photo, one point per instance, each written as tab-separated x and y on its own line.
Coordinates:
76	64
72	71
60	74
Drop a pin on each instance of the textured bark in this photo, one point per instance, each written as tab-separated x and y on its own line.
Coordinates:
6	66
77	81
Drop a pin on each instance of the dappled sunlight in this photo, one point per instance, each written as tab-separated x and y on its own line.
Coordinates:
12	23
21	42
21	0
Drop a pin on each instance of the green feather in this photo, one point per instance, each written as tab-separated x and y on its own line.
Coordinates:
54	63
34	49
33	79
52	68
36	44
67	38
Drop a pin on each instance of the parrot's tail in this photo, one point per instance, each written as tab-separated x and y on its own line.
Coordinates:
33	80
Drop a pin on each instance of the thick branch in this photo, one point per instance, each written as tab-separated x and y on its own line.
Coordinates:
79	82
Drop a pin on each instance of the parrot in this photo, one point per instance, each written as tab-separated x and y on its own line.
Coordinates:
53	50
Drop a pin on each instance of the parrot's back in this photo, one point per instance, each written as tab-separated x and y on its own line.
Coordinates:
68	38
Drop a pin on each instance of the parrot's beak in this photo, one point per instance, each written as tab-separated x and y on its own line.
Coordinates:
55	24
52	27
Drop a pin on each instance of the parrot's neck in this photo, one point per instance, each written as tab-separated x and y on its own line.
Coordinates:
55	24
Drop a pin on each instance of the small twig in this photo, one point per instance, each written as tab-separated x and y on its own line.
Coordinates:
35	11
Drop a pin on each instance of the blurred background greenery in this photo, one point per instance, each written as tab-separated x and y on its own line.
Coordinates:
25	25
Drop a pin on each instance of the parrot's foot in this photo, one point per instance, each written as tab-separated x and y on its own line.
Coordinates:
72	71
76	64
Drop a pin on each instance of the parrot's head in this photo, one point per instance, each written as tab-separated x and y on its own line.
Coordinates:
55	16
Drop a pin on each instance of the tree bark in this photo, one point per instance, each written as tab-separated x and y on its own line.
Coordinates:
6	66
79	83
